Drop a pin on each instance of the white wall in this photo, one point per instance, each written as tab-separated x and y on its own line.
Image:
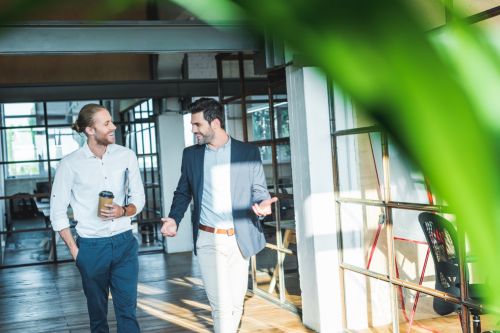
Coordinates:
2	205
314	199
172	143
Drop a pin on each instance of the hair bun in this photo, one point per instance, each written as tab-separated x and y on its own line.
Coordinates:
75	127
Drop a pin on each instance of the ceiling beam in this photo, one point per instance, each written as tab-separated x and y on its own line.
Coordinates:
129	89
66	37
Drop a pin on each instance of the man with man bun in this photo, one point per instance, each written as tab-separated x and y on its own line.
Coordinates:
106	252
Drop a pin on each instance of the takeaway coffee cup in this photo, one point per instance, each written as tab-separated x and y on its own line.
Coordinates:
105	198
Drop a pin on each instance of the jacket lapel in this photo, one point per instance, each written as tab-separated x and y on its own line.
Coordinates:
199	162
235	171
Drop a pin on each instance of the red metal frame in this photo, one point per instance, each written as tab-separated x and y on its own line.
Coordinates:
422	274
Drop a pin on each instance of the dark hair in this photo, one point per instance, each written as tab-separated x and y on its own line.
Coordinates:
86	117
211	109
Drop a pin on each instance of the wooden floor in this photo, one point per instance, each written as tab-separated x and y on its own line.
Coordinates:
49	298
438	324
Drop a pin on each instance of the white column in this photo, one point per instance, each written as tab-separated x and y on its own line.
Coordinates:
172	143
315	216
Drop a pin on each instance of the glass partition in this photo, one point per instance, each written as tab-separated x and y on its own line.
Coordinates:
34	137
364	236
360	172
367	304
417	313
406	263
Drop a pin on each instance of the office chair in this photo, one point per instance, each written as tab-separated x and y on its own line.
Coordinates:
441	236
22	206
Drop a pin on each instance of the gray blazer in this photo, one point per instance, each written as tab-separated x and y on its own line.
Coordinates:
248	186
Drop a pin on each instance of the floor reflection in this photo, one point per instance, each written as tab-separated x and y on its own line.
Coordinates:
49	298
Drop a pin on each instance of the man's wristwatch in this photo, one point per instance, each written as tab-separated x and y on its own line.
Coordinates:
124	210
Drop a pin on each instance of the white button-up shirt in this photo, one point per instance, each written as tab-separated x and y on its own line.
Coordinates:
80	177
216	202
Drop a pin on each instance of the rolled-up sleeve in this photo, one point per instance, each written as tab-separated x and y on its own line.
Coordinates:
136	187
60	197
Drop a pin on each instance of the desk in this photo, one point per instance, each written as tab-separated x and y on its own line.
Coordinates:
288	238
43	207
284	224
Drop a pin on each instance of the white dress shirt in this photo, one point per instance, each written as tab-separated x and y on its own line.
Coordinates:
80	177
216	204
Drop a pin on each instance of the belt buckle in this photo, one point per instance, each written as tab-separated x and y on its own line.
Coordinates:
230	232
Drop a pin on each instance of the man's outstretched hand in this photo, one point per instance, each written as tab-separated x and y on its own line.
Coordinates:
264	208
169	227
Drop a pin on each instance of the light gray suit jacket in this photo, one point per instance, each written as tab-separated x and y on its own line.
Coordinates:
248	186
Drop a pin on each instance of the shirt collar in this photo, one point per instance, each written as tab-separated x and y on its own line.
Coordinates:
88	153
223	147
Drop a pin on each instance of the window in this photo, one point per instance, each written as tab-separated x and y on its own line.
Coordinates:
35	136
23	142
390	281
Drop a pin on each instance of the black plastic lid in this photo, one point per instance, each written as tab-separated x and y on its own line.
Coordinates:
106	194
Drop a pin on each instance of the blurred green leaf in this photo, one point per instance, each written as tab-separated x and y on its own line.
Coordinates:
438	99
436	93
214	11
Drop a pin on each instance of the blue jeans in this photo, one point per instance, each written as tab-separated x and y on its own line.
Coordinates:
105	264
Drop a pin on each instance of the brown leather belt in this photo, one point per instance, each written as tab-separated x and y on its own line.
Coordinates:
229	232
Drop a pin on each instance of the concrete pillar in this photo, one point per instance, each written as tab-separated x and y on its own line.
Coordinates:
315	216
172	143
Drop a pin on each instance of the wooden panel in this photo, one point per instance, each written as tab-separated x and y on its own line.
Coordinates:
73	68
75	10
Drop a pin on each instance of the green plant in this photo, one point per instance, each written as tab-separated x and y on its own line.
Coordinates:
436	93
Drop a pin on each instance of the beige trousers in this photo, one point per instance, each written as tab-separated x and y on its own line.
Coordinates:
225	276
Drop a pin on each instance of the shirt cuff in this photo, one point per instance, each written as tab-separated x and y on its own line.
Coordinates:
61	224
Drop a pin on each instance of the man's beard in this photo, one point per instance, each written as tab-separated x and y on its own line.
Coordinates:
206	138
104	140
